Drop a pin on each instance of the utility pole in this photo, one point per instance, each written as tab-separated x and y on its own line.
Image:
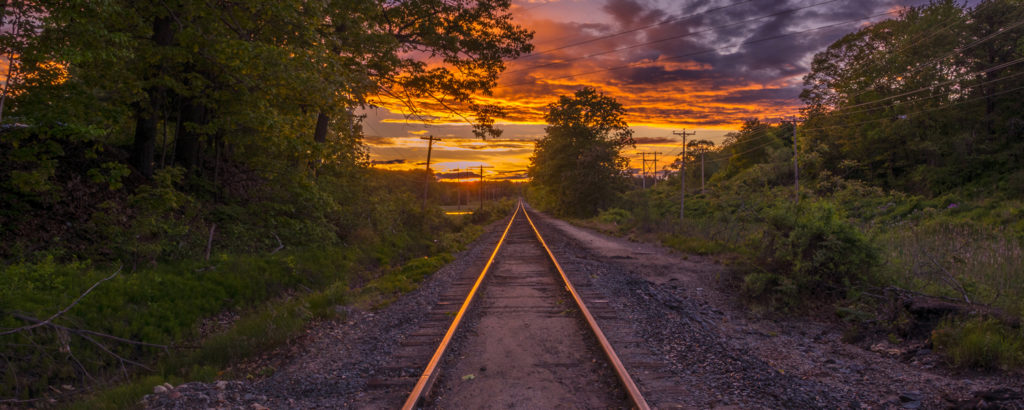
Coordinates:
482	185
643	169
682	174
796	166
458	193
702	170
426	181
655	169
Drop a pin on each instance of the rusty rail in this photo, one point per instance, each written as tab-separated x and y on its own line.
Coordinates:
634	393
430	372
429	375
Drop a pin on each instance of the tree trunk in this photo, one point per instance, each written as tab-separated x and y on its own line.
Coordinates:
146	117
186	149
320	134
144	146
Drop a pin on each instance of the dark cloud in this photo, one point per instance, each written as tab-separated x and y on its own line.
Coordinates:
654	140
378	140
388	162
510	176
630	13
457	175
763	96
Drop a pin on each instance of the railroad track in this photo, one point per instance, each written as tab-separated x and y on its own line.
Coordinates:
521	300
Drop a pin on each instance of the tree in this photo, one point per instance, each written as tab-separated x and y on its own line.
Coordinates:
578	164
923	102
700	148
272	75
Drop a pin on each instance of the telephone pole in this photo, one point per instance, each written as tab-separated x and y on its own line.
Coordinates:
796	166
426	181
655	169
458	186
682	174
482	185
643	169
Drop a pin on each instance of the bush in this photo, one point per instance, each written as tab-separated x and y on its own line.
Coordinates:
615	216
813	251
979	343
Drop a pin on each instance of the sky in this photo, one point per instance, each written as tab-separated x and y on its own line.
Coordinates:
700	66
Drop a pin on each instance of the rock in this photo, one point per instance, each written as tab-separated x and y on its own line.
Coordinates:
910	396
911	405
1001	394
159	389
257	406
168	386
221	385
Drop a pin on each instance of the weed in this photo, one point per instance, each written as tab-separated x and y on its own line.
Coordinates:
979	343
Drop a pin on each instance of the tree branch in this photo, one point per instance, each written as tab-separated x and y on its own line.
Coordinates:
62	311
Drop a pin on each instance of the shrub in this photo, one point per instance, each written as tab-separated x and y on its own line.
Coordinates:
614	216
979	343
814	252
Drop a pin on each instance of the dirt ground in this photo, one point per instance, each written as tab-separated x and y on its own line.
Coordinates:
526	347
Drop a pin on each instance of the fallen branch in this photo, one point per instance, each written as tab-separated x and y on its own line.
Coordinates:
62	311
279	243
209	241
84	332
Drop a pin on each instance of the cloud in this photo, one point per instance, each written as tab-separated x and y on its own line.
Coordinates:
378	140
466	175
708	65
388	162
655	140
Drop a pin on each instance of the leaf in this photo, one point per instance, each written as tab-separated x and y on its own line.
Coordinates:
470	376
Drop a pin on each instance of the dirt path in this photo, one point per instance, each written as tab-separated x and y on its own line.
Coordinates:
526	348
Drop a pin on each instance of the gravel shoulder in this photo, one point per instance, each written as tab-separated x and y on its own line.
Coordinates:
710	351
730	357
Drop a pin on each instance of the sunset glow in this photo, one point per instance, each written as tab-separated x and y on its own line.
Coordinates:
694	65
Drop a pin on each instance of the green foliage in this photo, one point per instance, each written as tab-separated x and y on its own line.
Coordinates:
110	173
577	166
979	343
163	304
616	216
815	252
268	328
694	245
951	123
387	287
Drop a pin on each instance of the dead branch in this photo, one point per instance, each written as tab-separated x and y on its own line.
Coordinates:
62	311
84	332
280	245
118	357
209	241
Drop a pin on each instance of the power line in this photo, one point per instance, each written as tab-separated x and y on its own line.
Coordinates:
661	40
920	111
842	111
633	30
678	56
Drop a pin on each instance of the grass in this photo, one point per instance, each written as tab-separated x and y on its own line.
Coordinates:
264	329
959	259
979	343
278	296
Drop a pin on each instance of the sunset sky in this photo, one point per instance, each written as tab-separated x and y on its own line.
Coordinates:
703	66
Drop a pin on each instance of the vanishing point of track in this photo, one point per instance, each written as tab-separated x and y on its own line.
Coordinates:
430	373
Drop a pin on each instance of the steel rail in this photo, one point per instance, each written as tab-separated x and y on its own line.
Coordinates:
430	372
620	370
